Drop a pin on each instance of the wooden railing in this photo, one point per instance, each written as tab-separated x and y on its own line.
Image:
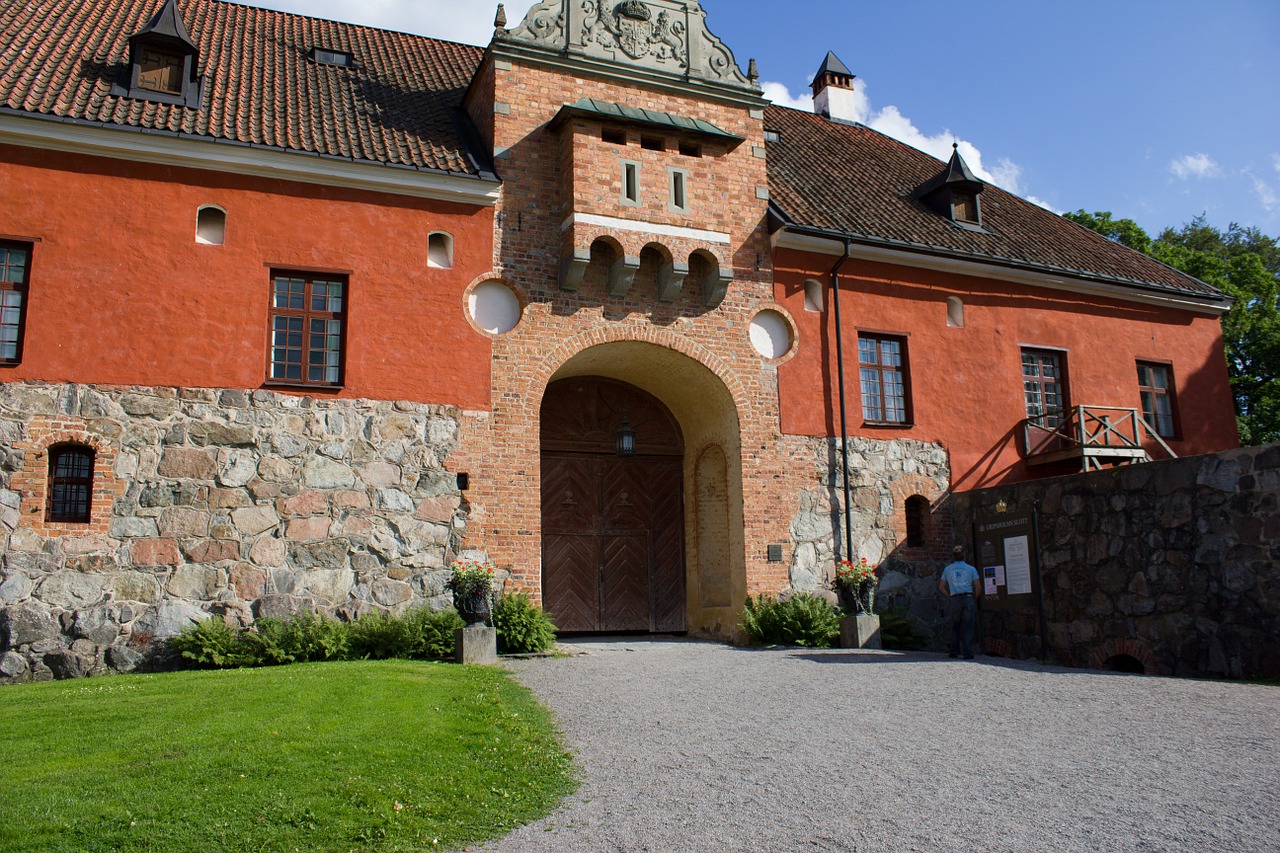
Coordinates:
1096	435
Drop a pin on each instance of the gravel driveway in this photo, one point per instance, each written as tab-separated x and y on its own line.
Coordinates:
688	746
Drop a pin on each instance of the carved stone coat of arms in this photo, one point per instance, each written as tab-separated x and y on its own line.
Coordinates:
631	27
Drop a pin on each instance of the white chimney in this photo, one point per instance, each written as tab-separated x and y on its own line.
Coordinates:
833	94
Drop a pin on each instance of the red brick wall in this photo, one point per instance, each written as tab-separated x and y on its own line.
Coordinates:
122	294
32	480
966	385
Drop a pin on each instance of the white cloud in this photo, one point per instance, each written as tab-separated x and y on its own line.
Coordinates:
1266	193
1195	166
781	95
453	20
1275	161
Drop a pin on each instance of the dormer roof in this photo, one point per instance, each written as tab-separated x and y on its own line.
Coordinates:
166	26
956	176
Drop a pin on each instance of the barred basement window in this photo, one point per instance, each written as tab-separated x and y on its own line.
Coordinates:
70	483
307	318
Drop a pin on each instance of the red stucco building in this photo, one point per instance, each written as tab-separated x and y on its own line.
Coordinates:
297	312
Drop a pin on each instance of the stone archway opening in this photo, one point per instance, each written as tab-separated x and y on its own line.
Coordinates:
709	467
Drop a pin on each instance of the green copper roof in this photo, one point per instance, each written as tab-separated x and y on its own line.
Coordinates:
603	110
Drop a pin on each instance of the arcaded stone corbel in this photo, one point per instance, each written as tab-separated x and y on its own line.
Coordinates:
670	279
715	286
621	274
573	267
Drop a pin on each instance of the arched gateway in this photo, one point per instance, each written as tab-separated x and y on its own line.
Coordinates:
612	516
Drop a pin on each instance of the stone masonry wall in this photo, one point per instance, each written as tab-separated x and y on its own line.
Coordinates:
214	502
883	475
1174	564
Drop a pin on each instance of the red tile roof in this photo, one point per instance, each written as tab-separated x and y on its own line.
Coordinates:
851	180
59	58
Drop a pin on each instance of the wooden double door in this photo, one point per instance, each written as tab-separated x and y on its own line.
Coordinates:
612	527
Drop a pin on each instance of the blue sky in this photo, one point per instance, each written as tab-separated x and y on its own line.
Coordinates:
1157	110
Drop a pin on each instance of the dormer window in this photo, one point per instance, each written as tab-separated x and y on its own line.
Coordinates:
160	71
964	207
953	193
162	62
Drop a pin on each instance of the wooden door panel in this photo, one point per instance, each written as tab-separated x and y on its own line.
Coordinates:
626	503
570	494
667	522
571	581
624	582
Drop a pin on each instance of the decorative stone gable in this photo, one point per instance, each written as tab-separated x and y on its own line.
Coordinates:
669	36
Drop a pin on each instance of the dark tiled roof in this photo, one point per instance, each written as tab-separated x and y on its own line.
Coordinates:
59	58
852	180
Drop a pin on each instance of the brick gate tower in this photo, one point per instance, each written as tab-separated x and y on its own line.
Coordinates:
632	232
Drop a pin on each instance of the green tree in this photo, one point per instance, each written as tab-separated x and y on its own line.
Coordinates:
1243	263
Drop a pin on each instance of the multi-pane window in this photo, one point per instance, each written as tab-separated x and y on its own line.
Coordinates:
70	483
307	314
1155	386
883	369
161	71
15	261
1043	387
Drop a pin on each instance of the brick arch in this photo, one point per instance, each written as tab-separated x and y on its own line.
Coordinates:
1134	648
32	480
539	376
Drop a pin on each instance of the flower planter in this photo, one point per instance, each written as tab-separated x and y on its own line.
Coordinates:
474	608
860	631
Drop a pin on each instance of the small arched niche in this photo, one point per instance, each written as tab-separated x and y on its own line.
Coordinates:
955	312
440	250
211	225
813	295
916	510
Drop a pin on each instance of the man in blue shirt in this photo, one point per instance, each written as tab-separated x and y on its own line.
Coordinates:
961	585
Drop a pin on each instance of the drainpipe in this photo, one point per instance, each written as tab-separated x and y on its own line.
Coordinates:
844	428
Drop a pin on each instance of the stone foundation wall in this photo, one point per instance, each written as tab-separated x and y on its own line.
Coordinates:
214	502
1174	565
883	475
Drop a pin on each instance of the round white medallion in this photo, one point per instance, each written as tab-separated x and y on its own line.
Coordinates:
494	307
771	334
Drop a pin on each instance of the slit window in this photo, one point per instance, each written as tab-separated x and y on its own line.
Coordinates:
882	363
679	190
15	261
690	149
440	250
70	483
614	136
653	143
630	183
308	314
211	226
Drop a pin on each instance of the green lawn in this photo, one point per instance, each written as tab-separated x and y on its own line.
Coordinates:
388	755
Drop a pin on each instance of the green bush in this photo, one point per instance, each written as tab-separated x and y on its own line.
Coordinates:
213	644
523	627
309	637
801	620
431	632
900	631
377	636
